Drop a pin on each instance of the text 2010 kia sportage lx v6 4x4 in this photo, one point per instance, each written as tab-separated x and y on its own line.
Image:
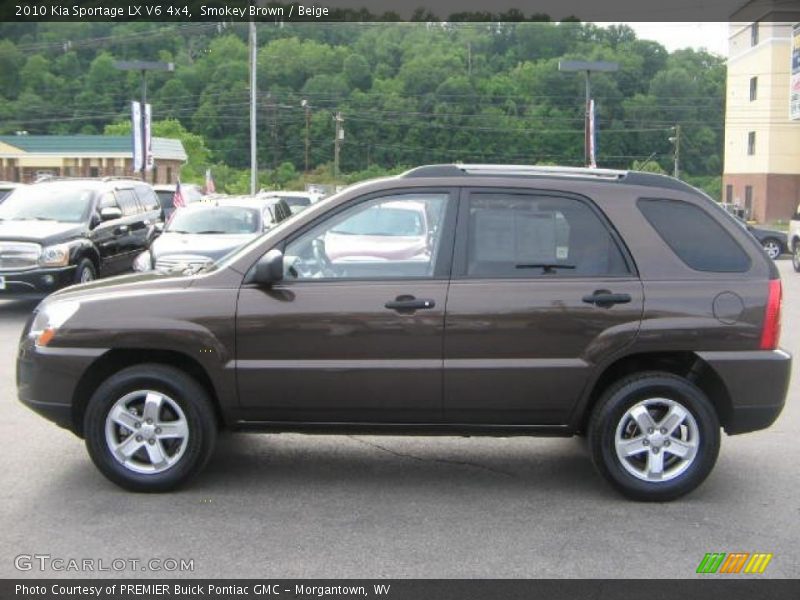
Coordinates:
626	306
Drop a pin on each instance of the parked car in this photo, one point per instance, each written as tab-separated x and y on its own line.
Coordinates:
61	232
297	201
773	241
794	239
166	196
625	306
204	232
6	187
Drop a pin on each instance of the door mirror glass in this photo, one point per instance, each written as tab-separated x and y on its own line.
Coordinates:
109	213
269	268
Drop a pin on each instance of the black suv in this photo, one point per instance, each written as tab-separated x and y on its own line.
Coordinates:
454	299
61	232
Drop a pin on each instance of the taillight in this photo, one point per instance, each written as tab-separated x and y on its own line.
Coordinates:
771	331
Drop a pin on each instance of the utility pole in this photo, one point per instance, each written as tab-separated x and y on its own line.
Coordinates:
305	104
587	67
253	148
337	143
676	140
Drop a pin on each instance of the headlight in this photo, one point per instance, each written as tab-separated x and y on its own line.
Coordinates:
143	262
50	318
55	256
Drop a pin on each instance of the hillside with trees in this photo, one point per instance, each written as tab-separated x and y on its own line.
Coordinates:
409	93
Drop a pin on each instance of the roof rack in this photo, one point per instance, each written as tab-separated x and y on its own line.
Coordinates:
46	178
456	170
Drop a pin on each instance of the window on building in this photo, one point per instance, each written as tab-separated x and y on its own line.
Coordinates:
751	143
729	194
753	88
94	172
754	34
169	175
748	200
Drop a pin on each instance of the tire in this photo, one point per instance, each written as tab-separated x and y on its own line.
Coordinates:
613	430
772	247
85	271
182	430
796	257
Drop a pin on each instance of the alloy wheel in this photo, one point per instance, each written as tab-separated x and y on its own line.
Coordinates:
146	431
657	439
772	248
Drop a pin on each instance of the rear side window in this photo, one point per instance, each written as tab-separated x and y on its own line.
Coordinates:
147	197
695	236
127	202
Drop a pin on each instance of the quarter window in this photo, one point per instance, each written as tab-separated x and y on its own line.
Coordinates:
384	238
695	236
538	236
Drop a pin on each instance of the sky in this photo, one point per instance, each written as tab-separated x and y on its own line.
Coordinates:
673	36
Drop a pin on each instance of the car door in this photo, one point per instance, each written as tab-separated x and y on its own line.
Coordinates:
107	237
354	331
542	290
133	231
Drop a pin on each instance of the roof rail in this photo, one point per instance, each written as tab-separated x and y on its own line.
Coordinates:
457	170
46	178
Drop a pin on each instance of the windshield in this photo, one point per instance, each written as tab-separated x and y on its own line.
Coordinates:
215	219
47	203
381	220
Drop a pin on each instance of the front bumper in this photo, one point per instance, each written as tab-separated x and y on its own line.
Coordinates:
35	282
757	383
48	377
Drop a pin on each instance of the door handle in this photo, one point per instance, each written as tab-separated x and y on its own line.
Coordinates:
121	229
410	304
606	299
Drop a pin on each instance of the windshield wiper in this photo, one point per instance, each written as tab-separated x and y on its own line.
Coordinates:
210	231
546	267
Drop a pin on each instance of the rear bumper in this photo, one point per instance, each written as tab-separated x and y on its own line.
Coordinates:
757	384
36	283
47	379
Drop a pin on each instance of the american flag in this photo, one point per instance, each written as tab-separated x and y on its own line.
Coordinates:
177	198
210	187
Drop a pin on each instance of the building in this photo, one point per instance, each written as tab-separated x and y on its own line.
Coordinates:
762	141
26	157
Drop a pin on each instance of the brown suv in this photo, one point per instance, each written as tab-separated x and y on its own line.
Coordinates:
542	301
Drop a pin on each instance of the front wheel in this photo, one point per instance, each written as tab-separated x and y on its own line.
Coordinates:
772	247
796	257
654	436
150	428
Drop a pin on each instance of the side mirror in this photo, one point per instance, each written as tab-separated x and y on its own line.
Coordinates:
109	213
269	268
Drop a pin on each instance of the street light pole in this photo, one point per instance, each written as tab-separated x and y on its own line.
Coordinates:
337	143
587	67
253	147
143	67
677	152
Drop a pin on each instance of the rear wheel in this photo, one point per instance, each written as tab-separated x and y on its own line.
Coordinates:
654	436
150	428
772	247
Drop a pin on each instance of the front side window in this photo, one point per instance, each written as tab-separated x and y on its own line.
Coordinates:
384	238
517	235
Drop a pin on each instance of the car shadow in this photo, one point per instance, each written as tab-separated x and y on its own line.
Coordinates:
11	310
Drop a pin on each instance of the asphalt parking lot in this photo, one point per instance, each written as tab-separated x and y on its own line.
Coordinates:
294	506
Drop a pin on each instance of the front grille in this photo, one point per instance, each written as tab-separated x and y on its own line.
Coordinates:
19	256
181	262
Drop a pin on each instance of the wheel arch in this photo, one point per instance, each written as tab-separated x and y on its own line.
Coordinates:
683	363
119	358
